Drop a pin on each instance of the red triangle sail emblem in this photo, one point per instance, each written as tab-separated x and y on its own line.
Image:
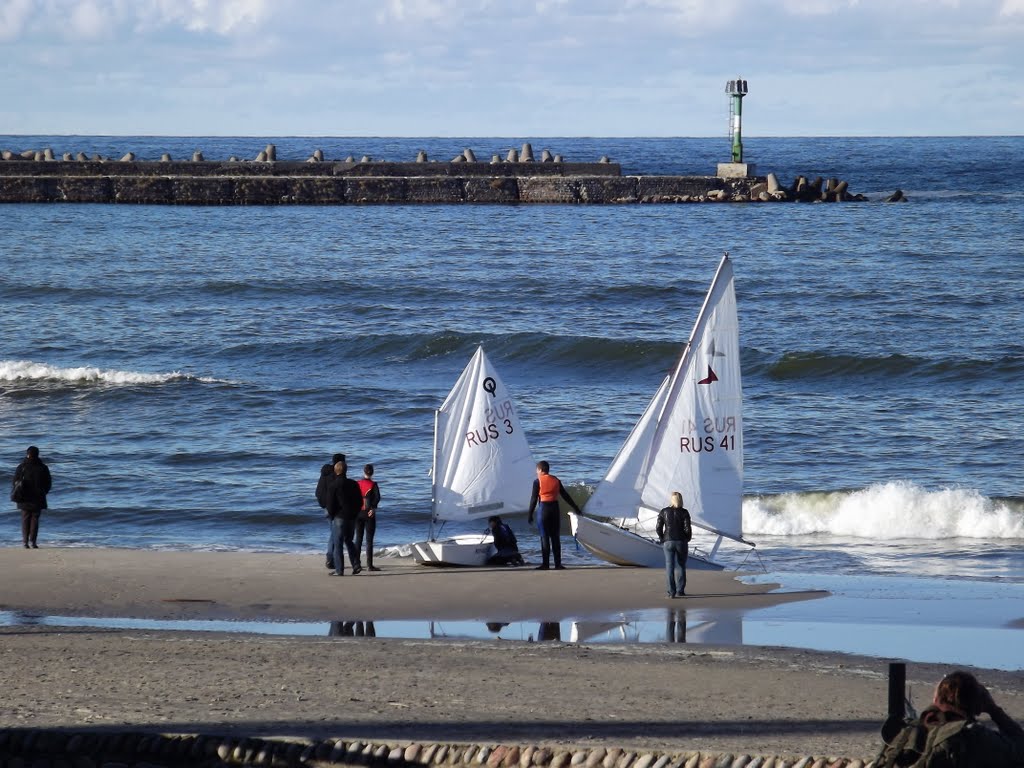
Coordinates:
711	377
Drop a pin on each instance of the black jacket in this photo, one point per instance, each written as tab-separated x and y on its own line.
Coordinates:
344	498
323	484
35	478
674	524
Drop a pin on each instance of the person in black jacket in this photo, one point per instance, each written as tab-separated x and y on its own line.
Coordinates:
322	487
33	478
344	500
675	532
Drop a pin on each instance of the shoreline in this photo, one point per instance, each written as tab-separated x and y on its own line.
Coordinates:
155	584
729	699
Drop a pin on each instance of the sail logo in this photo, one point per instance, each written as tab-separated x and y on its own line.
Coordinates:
498	420
719	434
710	378
712	352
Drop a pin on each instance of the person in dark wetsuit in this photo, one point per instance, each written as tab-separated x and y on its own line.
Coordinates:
367	520
506	548
546	490
36	482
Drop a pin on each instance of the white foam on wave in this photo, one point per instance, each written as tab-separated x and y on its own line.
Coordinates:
884	511
26	370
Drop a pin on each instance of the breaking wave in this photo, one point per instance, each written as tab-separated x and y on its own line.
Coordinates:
13	371
886	511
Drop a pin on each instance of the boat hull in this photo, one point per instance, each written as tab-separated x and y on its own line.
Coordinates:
468	551
619	546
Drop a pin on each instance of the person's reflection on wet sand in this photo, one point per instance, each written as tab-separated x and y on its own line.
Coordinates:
352	629
675	626
549	630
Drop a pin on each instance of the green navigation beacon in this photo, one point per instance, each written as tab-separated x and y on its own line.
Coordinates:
737	89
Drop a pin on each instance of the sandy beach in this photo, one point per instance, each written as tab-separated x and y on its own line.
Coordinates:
711	698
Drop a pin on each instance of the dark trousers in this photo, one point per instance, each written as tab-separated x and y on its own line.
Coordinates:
368	526
29	525
550	533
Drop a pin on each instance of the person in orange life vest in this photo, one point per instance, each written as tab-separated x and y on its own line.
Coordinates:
547	489
367	520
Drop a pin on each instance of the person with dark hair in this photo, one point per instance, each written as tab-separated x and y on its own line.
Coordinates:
367	520
674	532
948	734
506	548
344	500
31	484
547	489
322	487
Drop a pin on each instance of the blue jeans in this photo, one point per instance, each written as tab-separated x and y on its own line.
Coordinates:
675	559
342	532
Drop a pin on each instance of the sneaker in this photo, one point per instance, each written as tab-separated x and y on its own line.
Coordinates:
559	567
373	568
541	568
335	573
34	545
357	569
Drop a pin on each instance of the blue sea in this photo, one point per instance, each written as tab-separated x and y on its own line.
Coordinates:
185	371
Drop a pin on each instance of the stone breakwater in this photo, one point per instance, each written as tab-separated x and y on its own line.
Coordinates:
38	176
25	748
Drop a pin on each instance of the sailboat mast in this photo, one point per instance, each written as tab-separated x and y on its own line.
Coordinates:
433	477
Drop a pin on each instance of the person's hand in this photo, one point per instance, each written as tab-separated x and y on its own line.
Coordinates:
371	513
529	520
985	701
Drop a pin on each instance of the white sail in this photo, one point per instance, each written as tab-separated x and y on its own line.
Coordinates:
482	461
690	438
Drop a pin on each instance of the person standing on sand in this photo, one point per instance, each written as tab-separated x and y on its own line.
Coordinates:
367	520
344	500
322	487
675	532
547	489
31	483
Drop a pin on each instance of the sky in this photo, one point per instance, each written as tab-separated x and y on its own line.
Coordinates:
524	68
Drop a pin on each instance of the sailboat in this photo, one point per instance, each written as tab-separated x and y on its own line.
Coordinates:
482	465
689	439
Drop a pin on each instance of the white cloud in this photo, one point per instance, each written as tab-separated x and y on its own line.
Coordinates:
14	15
89	21
643	67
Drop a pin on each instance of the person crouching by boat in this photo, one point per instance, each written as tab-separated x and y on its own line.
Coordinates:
344	500
675	532
546	490
506	548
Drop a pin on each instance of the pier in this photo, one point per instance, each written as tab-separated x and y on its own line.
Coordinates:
38	176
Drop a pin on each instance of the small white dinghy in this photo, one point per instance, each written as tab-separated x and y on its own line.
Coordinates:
690	439
482	465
